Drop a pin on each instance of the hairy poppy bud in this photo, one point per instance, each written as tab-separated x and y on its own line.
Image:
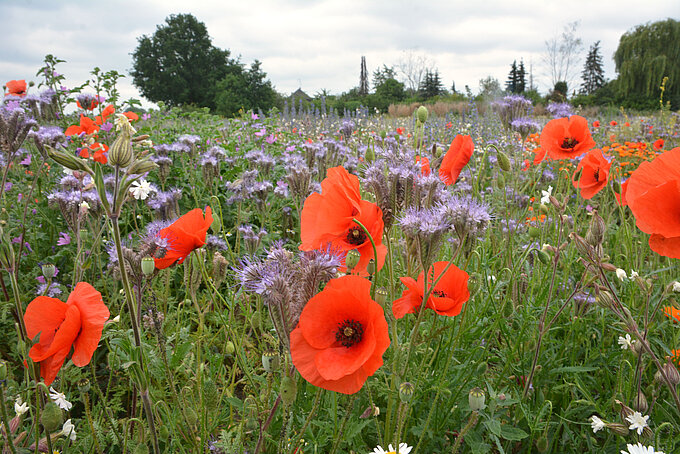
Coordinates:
352	259
543	208
192	417
383	134
288	390
219	268
120	153
51	417
229	348
216	225
406	390
500	181
422	114
141	448
504	162
534	232
542	443
617	187
543	257
148	265
270	361
476	399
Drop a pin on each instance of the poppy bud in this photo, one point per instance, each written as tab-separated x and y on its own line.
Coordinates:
473	282
3	370
476	399
500	181
618	429
288	390
270	361
504	162
48	270
422	114
192	417
219	268
216	225
120	153
481	368
141	166
406	390
229	348
617	187
383	134
439	152
141	448
148	265
164	432
577	175
534	232
352	259
543	208
543	257
51	417
210	394
542	443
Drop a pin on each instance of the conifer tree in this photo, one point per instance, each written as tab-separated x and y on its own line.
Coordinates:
521	78
593	73
511	83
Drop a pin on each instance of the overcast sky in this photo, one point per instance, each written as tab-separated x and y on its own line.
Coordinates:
318	45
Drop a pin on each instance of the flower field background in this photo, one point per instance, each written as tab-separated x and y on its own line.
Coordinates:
301	281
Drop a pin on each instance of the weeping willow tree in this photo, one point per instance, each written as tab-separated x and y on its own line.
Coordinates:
646	55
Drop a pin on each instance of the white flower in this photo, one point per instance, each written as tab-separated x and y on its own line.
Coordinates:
676	286
596	423
621	274
69	430
545	195
20	407
639	449
84	206
633	274
403	449
626	342
116	319
141	189
123	122
60	399
637	422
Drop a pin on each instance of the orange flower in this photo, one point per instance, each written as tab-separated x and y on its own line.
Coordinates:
77	323
456	158
184	235
400	131
341	336
621	198
16	88
448	295
566	138
131	116
672	313
653	196
658	144
98	149
596	124
86	126
425	169
106	113
326	219
613	123
594	169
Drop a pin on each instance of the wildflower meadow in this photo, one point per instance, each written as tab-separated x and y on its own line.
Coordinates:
305	280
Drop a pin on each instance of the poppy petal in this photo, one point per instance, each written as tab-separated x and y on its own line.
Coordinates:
43	316
63	338
94	314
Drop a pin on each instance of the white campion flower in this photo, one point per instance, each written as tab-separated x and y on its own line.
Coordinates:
621	274
141	189
545	195
640	449
637	422
626	342
676	286
60	399
403	449
69	430
633	274
123	123
596	423
20	407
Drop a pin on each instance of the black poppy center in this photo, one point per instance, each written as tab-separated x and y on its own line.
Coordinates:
597	175
356	236
440	293
569	142
349	333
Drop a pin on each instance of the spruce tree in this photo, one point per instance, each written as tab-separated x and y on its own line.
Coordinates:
593	73
521	78
363	78
511	83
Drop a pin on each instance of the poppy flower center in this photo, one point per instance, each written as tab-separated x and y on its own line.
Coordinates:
440	293
597	175
349	333
356	236
569	142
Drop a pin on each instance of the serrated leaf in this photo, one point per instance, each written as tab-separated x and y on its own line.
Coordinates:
494	426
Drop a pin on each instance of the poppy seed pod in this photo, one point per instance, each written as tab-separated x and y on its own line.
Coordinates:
406	390
270	361
48	270
84	385
352	259
422	114
381	296
148	265
288	390
120	153
476	399
370	268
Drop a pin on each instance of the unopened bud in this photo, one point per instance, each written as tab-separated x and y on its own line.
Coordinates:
148	265
229	348
476	399
219	268
192	417
585	249
543	257
504	162
618	429
422	114
542	443
120	153
352	259
406	390
288	390
51	417
500	182
616	186
534	232
141	166
216	225
369	156
595	235
640	403
439	152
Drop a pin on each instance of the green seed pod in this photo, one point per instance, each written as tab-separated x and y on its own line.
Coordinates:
352	259
370	268
476	399
406	391
51	417
68	160
605	299
229	347
534	232
542	444
288	390
381	296
422	114
270	361
671	372
120	153
84	385
504	162
148	265
48	270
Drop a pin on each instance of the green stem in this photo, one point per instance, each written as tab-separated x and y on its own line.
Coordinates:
7	433
375	257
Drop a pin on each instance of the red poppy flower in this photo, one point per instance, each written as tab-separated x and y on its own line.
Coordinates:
77	323
184	235
456	158
672	313
626	124
131	116
658	144
540	155
16	88
425	169
596	124
97	151
94	103
448	295
566	138
613	123
326	219
400	131
621	198
106	113
86	126
341	336
653	196
594	169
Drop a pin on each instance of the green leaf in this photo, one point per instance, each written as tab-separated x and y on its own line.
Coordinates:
494	426
513	433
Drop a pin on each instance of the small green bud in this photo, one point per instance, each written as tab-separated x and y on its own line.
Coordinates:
534	232
141	448
3	369
51	417
439	152
270	361
504	162
543	257
48	270
542	444
84	385
605	300
288	390
406	391
120	153
476	399
68	160
216	225
164	432
473	282
543	208
483	366
500	181
383	134
422	114
148	265
616	186
370	268
352	259
192	417
230	349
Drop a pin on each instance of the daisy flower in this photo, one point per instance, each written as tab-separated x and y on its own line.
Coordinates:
639	449
403	449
